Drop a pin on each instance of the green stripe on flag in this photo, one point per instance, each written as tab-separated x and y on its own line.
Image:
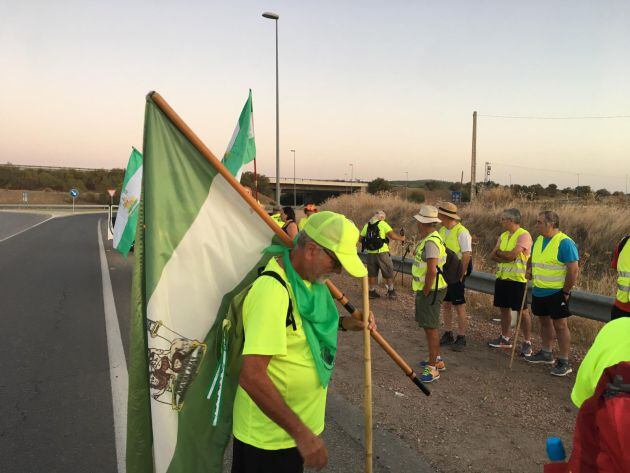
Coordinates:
198	244
242	147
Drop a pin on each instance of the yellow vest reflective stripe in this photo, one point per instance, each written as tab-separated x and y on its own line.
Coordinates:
419	267
547	271
514	270
623	274
452	240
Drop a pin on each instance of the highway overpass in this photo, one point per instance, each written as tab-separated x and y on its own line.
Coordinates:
314	190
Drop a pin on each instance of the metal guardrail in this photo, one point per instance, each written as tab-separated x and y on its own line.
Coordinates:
585	304
57	206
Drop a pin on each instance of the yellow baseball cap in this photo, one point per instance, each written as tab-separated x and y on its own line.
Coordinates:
336	233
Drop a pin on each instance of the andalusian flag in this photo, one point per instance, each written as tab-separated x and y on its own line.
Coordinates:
127	216
198	244
242	147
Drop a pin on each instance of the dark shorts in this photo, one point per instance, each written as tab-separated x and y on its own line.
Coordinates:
382	262
455	293
509	294
617	313
553	306
249	459
427	311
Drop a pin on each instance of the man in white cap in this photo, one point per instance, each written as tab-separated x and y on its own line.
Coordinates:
430	287
457	238
375	237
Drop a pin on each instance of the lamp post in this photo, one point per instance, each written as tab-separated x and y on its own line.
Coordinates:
294	186
275	17
351	176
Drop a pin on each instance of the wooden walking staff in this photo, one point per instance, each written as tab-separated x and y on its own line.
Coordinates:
367	376
336	293
518	326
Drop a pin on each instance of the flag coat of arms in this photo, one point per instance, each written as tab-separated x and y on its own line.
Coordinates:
198	244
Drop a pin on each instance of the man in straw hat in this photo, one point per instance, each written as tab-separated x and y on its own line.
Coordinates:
457	238
375	237
280	403
430	287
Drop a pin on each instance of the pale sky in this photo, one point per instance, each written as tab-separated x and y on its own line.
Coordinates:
387	86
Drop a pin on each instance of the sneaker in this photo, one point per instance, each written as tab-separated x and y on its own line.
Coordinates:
526	350
460	343
541	357
429	374
440	365
447	339
374	294
391	294
500	342
561	368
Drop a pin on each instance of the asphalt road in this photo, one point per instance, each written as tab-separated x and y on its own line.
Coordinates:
56	412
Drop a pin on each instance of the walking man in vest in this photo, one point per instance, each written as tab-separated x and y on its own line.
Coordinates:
430	287
309	209
375	237
280	402
511	254
621	263
457	238
553	268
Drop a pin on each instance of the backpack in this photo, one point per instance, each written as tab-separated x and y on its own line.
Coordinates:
223	365
372	238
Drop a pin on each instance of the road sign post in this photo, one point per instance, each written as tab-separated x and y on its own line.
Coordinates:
25	198
74	193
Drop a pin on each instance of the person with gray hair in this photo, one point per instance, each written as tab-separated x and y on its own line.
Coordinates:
553	269
375	237
511	254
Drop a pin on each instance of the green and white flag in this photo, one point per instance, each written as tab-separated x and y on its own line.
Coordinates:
242	147
127	216
198	244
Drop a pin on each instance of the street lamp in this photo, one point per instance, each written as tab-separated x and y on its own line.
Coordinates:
294	187
275	17
351	176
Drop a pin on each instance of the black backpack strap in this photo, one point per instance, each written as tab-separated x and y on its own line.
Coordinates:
623	242
290	319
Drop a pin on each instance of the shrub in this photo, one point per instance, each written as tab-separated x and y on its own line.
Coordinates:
379	185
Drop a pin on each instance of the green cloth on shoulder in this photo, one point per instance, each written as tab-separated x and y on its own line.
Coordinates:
319	315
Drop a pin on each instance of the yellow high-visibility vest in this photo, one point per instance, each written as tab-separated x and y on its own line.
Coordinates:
419	268
623	274
303	221
547	271
278	219
452	240
514	270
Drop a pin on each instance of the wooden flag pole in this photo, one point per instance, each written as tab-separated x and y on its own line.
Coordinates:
222	170
367	376
518	326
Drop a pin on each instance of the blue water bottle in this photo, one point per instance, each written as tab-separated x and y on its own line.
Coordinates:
555	449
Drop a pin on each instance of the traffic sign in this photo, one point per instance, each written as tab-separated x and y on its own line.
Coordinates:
74	193
456	197
25	197
111	192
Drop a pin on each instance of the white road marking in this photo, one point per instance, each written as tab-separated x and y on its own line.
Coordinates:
26	229
117	363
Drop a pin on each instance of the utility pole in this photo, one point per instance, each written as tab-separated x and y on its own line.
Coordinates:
406	183
294	186
473	159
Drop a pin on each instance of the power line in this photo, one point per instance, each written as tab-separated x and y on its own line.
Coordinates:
586	117
566	172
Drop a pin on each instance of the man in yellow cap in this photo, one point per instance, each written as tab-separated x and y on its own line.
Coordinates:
280	403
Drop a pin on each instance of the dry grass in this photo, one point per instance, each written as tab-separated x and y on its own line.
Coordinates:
595	227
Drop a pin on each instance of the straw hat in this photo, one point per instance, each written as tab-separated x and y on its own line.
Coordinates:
427	214
449	210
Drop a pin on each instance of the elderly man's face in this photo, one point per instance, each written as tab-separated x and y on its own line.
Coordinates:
544	228
323	265
505	222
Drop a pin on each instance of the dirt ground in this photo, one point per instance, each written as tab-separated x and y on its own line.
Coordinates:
480	416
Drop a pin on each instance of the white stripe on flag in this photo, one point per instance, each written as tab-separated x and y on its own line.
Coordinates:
216	253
